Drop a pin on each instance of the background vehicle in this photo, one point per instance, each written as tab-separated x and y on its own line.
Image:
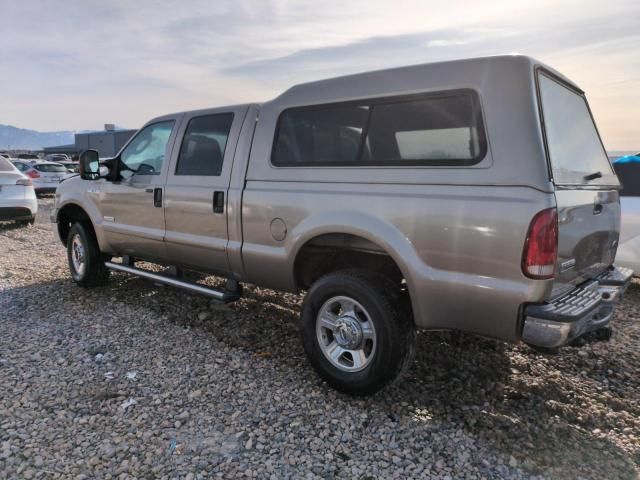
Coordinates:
72	167
635	158
57	157
472	195
17	196
28	156
628	170
46	176
22	165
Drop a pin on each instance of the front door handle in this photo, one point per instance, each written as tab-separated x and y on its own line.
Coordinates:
218	202
157	197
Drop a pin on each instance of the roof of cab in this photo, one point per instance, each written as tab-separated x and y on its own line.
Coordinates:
202	111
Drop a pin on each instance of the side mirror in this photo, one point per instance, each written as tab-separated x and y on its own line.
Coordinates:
89	165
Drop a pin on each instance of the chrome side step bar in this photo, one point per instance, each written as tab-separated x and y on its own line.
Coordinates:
222	296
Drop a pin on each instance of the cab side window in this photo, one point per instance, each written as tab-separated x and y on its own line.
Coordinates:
203	145
145	154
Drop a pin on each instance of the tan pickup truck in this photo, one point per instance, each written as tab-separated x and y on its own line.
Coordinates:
472	195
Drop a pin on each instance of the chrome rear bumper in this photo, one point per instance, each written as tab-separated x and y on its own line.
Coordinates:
584	309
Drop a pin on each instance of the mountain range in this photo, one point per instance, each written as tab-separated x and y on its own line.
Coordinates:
14	138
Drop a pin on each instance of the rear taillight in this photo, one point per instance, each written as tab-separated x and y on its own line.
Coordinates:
541	246
24	181
33	174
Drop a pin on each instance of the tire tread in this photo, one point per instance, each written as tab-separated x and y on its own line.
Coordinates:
96	273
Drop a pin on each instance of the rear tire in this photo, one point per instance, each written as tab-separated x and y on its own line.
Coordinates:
86	262
357	331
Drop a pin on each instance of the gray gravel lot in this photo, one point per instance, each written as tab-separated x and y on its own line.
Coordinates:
134	380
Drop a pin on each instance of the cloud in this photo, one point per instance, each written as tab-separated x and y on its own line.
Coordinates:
79	64
387	51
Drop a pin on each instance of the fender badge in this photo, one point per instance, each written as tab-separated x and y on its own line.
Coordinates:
567	265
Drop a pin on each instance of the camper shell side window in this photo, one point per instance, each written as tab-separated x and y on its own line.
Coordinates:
436	129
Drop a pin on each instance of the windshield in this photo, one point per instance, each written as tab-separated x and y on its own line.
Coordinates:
576	153
50	168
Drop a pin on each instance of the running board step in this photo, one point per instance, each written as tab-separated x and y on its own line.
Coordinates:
222	296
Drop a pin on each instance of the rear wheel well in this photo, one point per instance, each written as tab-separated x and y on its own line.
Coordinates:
340	251
67	216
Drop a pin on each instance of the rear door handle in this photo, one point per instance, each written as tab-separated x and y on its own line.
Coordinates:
157	197
218	202
597	209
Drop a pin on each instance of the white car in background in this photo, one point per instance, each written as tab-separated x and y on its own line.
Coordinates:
46	176
629	246
56	157
17	195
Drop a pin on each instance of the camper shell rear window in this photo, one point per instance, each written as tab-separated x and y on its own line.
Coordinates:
574	148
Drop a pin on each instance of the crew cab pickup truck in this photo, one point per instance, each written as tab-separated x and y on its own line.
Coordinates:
472	195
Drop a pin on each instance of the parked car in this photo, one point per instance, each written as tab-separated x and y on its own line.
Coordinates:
21	165
634	158
628	171
472	195
17	196
46	176
72	167
28	156
57	157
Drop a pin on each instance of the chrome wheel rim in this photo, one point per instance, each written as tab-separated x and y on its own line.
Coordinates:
346	334
77	254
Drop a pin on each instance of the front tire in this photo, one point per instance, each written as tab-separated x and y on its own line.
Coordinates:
357	331
86	263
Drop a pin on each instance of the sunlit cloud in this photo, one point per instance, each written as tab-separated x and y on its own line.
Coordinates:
79	64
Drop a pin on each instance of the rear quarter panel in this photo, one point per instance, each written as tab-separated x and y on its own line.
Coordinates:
459	247
457	234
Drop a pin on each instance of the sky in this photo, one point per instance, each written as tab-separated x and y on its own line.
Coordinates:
77	64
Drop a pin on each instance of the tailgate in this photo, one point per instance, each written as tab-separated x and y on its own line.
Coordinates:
588	231
586	186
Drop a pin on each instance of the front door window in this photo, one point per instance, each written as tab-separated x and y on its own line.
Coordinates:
145	154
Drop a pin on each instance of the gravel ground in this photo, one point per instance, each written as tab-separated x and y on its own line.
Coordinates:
134	380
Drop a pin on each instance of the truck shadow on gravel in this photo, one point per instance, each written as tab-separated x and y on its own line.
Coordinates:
567	415
10	226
